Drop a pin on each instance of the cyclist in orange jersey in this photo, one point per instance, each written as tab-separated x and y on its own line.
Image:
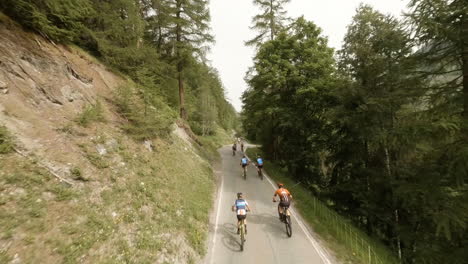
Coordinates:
285	198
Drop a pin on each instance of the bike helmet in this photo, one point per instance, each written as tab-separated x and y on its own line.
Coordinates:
280	185
239	195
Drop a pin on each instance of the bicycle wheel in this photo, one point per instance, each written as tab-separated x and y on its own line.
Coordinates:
261	174
245	174
288	225
242	236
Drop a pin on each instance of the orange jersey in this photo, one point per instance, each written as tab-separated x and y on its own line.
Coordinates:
283	194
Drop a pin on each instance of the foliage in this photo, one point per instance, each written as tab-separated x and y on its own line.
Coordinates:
146	120
159	44
381	138
6	144
91	113
60	20
269	22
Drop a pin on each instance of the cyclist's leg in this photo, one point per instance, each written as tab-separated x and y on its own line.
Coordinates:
245	224
279	210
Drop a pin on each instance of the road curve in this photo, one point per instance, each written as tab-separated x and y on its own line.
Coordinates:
267	241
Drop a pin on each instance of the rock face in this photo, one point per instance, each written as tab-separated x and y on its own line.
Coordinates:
44	87
3	88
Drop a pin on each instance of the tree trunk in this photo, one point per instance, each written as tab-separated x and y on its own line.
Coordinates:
272	21
180	67
464	57
465	79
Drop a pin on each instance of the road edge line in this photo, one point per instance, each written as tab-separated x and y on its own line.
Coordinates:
218	208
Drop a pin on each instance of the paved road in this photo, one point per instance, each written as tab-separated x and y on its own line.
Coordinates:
267	241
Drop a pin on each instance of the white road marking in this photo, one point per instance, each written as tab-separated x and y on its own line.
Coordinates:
220	195
314	243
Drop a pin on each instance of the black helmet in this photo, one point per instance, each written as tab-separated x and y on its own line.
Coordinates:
239	195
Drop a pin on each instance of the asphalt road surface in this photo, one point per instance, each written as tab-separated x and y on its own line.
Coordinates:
267	241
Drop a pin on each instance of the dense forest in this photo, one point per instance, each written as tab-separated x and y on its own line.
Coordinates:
159	44
378	129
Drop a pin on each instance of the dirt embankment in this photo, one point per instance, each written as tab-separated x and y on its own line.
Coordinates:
46	86
128	202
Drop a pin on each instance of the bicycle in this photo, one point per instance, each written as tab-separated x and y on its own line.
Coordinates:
260	172
286	219
242	234
245	172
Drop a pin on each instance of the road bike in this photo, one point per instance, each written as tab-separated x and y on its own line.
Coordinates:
244	168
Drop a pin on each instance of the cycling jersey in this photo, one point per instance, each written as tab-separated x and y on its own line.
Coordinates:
260	161
241	206
283	194
244	161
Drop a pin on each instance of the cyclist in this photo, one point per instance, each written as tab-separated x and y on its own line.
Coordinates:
242	146
241	207
285	198
259	164
234	148
244	162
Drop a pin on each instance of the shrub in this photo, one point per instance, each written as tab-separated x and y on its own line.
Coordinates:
6	143
91	113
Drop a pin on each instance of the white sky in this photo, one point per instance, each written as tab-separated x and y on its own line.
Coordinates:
230	21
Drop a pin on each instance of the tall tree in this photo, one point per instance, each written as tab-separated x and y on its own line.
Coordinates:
442	29
189	34
269	22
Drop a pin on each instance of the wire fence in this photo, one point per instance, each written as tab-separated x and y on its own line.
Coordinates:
357	242
363	248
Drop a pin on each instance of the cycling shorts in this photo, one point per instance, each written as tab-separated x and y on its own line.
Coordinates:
244	165
260	166
285	204
241	217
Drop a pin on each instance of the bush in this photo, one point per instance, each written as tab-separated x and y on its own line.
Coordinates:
91	113
146	120
6	143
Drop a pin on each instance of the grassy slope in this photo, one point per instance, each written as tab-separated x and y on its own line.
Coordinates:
142	207
155	208
348	243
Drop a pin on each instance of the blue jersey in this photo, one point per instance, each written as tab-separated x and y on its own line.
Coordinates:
241	206
260	161
244	161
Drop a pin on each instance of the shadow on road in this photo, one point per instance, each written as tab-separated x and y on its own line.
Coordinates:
230	238
269	224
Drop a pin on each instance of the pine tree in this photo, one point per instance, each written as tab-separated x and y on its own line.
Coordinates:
441	27
188	34
269	22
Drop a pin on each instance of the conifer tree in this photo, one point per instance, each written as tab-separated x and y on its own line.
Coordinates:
441	27
269	22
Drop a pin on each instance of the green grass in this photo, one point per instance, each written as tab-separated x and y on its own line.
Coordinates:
127	215
348	242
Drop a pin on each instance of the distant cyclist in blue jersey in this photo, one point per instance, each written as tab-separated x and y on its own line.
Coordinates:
244	163
241	207
259	162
